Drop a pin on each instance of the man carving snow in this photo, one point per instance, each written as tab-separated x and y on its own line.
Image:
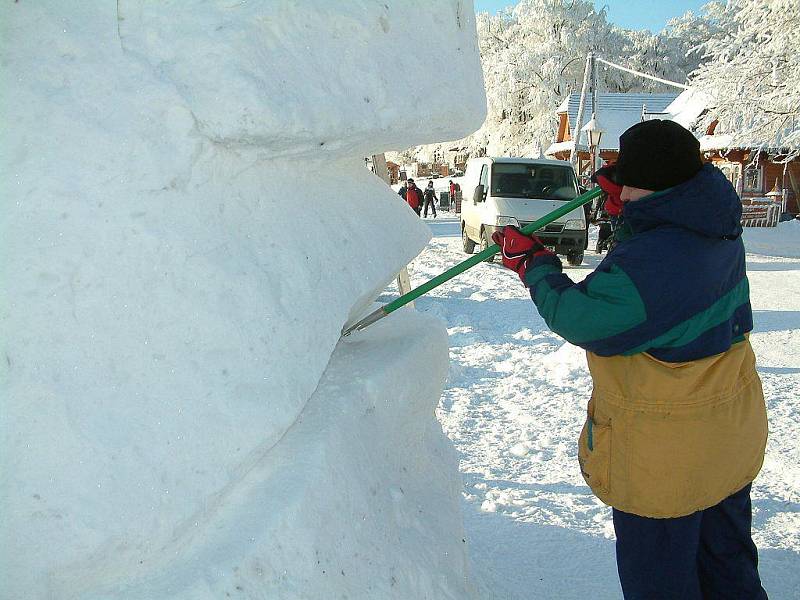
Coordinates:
676	426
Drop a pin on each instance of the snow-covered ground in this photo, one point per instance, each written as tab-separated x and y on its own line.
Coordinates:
515	401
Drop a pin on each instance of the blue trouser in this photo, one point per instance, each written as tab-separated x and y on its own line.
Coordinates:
706	555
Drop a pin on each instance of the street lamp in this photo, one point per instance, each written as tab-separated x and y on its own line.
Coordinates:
594	132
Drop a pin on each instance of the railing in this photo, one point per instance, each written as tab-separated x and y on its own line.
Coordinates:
761	213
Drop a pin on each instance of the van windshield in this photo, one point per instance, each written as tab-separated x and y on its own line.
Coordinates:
522	180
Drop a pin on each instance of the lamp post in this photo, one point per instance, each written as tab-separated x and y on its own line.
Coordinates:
595	133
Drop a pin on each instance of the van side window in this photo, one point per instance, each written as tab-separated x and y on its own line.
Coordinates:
484	181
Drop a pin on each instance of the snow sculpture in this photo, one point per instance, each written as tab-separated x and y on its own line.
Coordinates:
186	226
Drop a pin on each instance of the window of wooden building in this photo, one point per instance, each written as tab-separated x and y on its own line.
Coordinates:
754	178
732	171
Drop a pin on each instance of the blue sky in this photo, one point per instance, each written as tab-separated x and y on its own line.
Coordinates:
630	14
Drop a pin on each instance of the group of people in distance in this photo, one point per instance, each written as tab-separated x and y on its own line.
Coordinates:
418	199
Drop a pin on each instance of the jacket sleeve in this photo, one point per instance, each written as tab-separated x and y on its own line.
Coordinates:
602	306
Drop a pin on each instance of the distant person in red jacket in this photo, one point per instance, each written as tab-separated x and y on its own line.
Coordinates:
414	196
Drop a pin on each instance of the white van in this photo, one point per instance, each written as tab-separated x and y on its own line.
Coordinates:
517	191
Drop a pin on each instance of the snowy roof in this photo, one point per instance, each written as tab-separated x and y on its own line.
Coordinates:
720	141
687	108
562	147
615	112
729	141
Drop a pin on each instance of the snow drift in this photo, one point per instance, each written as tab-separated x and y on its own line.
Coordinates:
186	227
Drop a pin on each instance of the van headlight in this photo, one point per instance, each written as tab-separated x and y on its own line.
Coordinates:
574	224
503	221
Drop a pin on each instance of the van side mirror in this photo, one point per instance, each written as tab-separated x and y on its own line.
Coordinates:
479	194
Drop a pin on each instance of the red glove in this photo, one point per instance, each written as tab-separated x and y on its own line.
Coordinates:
606	179
517	249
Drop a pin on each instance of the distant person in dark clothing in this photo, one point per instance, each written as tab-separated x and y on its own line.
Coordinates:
430	200
402	190
414	196
606	179
609	210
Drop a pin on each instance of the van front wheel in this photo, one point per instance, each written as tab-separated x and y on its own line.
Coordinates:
469	245
485	243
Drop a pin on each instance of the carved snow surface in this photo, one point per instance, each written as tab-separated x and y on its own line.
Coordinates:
186	225
349	77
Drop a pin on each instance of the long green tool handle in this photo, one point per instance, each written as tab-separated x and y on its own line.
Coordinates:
469	263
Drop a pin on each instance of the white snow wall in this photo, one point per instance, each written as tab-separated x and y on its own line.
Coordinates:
186	225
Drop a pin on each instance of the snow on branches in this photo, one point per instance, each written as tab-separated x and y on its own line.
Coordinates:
533	55
752	76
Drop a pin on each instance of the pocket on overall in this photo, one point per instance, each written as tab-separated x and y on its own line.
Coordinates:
594	452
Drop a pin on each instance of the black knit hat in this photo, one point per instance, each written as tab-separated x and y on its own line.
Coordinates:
656	155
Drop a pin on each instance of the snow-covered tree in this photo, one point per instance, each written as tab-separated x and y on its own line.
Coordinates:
683	38
533	56
753	77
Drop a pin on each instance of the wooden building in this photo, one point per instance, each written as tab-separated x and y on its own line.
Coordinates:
394	172
758	173
767	186
615	112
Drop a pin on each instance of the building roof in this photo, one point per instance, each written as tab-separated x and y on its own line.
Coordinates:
687	108
615	112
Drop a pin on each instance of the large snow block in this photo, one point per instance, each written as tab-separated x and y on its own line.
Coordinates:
186	225
360	498
149	350
302	76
